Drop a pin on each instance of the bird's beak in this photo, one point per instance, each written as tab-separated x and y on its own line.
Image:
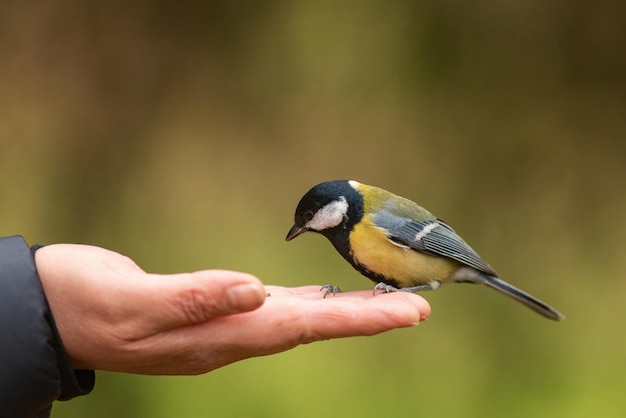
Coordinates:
295	231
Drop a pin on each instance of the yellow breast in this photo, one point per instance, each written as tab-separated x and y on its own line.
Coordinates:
372	249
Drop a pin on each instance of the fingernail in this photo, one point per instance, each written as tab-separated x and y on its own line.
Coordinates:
422	319
245	297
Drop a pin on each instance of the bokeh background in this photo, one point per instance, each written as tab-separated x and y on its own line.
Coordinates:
183	134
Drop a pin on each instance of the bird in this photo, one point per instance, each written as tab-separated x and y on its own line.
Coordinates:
396	243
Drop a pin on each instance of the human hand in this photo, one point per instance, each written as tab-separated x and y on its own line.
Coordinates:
114	316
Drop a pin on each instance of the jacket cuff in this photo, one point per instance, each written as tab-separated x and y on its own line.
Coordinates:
35	369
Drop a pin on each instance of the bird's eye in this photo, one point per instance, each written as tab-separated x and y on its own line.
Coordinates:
308	215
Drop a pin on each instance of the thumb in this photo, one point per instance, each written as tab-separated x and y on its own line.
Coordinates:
191	298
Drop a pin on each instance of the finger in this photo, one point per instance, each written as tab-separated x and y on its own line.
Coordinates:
315	292
191	298
309	292
361	313
300	315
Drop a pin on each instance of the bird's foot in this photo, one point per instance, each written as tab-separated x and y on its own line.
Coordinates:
385	288
432	285
329	288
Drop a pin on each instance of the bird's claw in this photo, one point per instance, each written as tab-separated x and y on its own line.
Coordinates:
329	288
385	288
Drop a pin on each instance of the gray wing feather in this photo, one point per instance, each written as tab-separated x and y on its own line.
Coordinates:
433	237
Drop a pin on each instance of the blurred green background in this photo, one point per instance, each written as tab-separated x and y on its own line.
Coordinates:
183	135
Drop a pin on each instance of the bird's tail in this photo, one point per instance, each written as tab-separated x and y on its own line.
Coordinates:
532	302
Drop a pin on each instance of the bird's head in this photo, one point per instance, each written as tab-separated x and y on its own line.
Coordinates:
327	208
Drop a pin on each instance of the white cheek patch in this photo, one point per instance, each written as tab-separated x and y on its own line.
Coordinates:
329	216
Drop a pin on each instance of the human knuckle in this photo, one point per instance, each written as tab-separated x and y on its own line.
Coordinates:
196	305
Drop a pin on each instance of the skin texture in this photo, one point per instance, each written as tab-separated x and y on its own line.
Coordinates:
114	316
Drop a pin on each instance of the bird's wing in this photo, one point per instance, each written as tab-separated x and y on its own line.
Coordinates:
432	236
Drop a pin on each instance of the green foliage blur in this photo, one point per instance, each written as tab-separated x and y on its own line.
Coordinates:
184	134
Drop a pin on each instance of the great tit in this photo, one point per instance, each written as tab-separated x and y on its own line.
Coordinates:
396	243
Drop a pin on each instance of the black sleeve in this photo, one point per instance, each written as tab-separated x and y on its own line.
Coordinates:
34	367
